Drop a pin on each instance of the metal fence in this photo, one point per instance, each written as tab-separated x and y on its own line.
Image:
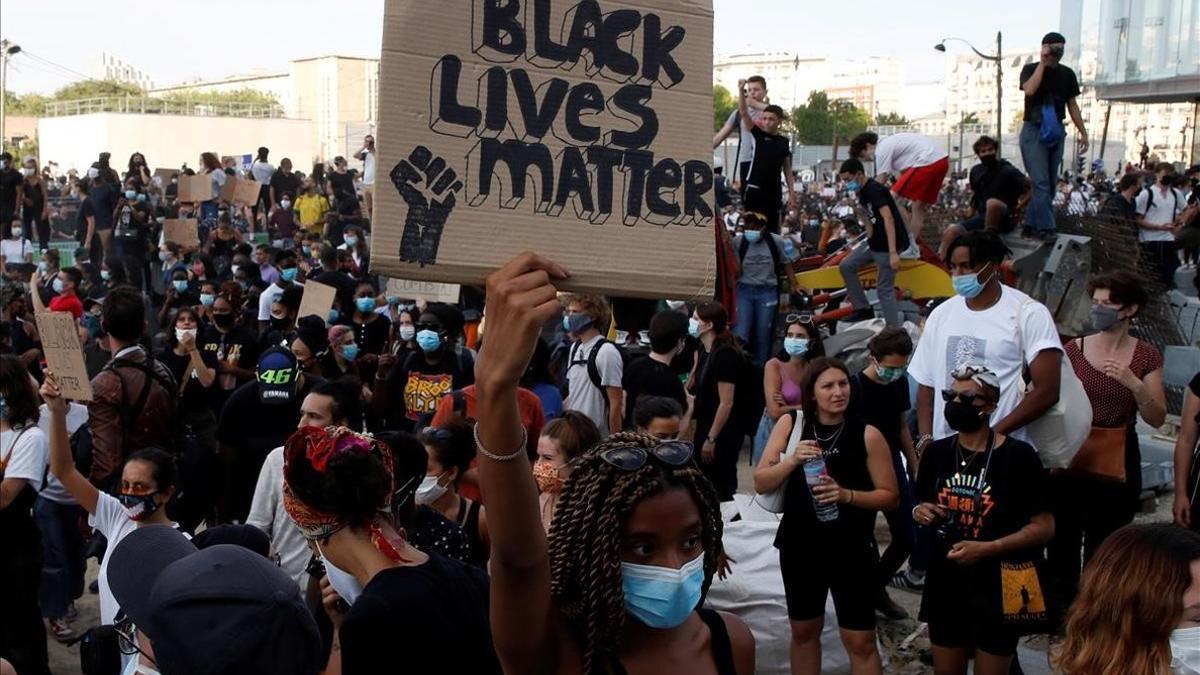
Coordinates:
145	105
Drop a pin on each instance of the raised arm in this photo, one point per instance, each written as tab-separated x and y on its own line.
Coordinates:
743	106
62	465
525	627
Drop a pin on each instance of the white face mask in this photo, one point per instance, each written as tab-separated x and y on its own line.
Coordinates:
1185	651
181	333
27	172
407	332
429	491
343	582
93	173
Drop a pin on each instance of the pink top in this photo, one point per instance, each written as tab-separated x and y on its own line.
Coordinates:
788	387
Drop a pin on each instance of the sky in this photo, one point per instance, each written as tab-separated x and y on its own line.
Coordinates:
177	41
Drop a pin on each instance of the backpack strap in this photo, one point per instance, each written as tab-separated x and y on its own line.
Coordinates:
773	247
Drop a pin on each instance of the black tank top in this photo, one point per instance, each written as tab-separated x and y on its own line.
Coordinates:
722	648
468	520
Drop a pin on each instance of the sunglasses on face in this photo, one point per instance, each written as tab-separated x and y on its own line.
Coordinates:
429	326
967	397
634	457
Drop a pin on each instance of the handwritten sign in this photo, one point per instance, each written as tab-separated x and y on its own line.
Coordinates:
317	299
182	231
576	129
195	188
409	289
241	190
64	354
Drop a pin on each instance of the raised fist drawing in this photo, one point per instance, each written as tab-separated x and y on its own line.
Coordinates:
429	188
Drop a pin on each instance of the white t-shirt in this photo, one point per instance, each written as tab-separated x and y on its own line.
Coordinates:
582	395
956	335
267	514
15	250
262	171
24	454
265	299
898	152
77	414
110	520
1167	205
368	174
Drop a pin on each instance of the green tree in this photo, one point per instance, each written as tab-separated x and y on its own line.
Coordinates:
891	120
97	89
218	98
723	106
815	122
32	105
967	120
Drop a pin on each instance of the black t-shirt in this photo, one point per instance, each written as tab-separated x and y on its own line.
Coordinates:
1058	86
770	153
285	184
104	201
646	377
846	462
344	284
720	365
431	618
238	348
415	385
9	181
195	395
874	195
254	428
343	185
86	208
881	406
1002	181
372	337
1117	206
1013	489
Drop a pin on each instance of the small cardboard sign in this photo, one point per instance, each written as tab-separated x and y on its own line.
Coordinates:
64	354
577	129
432	291
182	231
241	190
196	188
316	300
164	176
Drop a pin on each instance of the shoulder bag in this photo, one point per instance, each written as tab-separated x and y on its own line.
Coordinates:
1059	433
773	501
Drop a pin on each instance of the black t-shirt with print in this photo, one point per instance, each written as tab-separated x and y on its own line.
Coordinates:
1014	488
1059	85
881	406
237	348
877	197
770	153
415	385
646	377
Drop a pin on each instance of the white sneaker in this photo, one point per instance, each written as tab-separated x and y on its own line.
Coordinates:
913	251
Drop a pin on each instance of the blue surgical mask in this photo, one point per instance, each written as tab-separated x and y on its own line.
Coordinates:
795	347
207	299
693	327
141	197
288	274
428	340
351	240
105	274
334	315
350	351
163	255
853	186
180	285
131	194
752	236
968	285
57	285
661	597
343	582
365	305
576	323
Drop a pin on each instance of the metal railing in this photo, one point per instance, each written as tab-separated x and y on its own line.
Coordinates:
145	105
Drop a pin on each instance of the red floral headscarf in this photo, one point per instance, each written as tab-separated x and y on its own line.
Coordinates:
320	446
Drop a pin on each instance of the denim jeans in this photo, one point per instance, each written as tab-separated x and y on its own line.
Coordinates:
756	308
63	563
885	284
1042	164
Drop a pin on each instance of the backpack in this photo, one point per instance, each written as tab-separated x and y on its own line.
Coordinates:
593	370
748	398
1150	200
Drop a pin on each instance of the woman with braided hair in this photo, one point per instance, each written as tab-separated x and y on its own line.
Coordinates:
636	536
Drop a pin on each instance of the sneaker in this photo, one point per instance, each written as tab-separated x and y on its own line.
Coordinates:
907	582
913	251
888	607
61	630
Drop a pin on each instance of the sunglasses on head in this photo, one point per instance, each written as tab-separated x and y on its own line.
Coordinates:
634	457
436	434
968	397
799	318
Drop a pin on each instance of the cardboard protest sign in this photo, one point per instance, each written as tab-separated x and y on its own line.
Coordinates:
164	175
317	299
182	231
576	129
410	289
64	355
241	190
196	188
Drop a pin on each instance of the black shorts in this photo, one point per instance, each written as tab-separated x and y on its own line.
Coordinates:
811	573
966	633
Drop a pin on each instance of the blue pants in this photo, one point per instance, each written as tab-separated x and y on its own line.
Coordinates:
885	284
756	309
63	563
1042	164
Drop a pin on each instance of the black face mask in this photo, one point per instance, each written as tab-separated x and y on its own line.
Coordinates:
989	160
224	320
964	417
278	323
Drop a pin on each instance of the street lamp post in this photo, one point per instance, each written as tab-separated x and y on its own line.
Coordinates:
998	59
7	49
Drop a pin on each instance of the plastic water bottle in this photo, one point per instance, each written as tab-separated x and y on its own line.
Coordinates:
814	471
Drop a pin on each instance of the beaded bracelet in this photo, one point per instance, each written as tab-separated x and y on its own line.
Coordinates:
501	458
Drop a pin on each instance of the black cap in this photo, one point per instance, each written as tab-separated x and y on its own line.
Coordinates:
277	373
248	537
220	610
851	166
1054	39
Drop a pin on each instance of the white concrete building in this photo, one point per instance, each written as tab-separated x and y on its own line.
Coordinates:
109	67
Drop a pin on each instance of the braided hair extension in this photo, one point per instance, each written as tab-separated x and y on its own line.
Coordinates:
585	540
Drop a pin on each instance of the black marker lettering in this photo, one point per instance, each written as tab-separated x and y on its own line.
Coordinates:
450	117
501	31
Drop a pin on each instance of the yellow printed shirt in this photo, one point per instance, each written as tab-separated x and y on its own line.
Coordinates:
420	384
311	210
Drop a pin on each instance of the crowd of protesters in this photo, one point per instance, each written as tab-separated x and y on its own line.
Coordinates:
392	485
